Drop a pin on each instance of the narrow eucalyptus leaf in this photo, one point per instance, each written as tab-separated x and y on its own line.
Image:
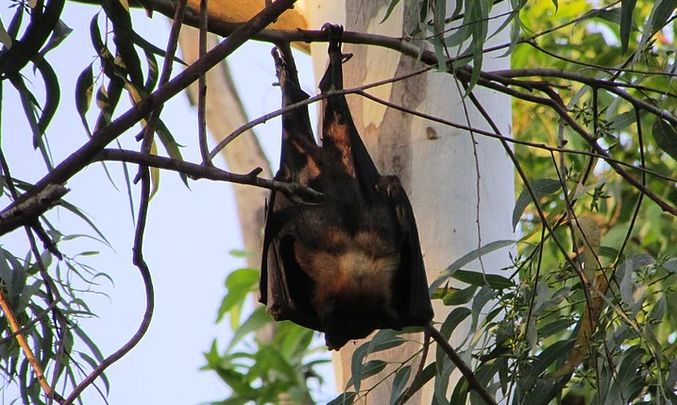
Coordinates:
627	9
665	136
540	188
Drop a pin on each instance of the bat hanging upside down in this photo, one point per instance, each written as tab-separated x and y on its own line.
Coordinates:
348	262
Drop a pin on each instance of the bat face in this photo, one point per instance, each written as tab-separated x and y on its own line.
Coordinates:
350	262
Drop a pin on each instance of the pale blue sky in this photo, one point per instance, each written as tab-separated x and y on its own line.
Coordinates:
189	233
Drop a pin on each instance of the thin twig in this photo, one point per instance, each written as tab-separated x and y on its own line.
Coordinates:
638	205
201	172
166	73
265	117
556	105
202	88
148	287
416	382
359	90
460	364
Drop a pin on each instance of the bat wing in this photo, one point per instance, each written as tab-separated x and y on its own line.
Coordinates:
284	288
340	139
411	297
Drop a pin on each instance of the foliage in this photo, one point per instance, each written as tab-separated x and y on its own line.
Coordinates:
264	362
584	311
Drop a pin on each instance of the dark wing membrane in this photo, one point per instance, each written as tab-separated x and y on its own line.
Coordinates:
410	285
339	135
299	154
297	121
283	286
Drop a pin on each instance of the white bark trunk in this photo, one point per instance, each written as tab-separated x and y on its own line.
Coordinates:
435	163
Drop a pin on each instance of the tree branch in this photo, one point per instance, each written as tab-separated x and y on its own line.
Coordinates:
35	364
25	211
553	102
197	171
460	364
83	156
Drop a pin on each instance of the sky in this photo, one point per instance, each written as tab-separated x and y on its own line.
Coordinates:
190	233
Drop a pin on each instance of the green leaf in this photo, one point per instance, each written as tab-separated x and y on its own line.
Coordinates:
629	371
5	38
477	16
237	382
391	7
60	32
453	320
557	351
662	10
29	104
256	320
75	210
52	93
368	369
346	398
383	340
624	272
484	295
399	383
439	14
480	279
611	15
240	253
120	17
555	326
665	136
152	73
540	187
469	257
83	95
147	46
294	340
239	284
170	145
455	296
622	121
670	265
627	9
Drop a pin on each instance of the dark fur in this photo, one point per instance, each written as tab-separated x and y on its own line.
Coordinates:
351	262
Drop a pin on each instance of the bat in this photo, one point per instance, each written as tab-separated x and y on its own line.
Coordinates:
348	262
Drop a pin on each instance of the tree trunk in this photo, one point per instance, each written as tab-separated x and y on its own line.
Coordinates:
455	189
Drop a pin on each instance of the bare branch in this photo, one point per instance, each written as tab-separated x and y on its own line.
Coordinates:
26	210
197	171
83	156
35	364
